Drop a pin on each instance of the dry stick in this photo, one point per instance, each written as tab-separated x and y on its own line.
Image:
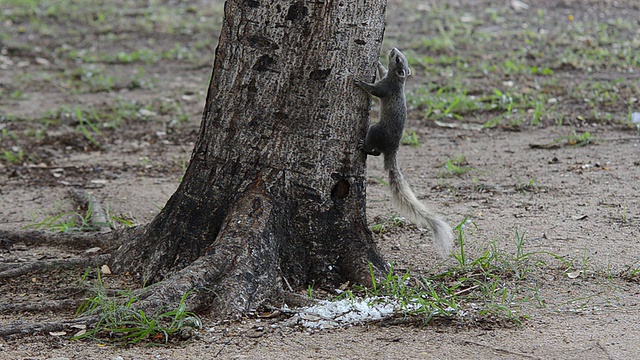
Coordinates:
98	216
42	266
500	350
21	328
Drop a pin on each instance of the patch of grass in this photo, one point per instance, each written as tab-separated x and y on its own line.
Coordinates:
526	185
580	139
492	284
446	102
15	155
120	323
65	222
384	226
410	138
623	216
455	166
631	273
545	66
138	55
114	115
575	139
87	128
89	79
76	221
379	180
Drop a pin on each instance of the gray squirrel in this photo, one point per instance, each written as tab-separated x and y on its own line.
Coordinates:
384	137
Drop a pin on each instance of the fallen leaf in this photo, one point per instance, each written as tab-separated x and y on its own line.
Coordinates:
105	269
267	315
519	5
57	333
574	274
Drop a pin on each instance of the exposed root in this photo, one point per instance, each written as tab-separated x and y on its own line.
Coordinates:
217	281
98	216
75	241
42	266
46	305
22	328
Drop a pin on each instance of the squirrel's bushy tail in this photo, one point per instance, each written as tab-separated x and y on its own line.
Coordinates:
405	200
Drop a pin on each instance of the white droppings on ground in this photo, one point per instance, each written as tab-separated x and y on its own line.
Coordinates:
329	314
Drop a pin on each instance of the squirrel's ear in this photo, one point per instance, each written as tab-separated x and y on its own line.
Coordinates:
402	73
408	71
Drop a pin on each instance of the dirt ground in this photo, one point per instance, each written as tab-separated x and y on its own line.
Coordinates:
537	97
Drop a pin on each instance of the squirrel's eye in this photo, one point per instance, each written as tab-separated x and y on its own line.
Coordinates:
397	59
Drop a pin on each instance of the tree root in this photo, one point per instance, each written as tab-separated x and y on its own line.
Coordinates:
218	280
105	238
46	305
75	241
42	266
22	328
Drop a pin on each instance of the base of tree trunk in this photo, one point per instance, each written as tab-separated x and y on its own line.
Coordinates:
238	271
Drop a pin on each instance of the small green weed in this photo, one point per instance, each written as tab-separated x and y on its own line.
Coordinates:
410	138
386	225
76	221
87	128
380	180
624	213
447	102
455	166
89	79
491	284
631	273
66	222
580	139
15	155
575	139
120	323
526	185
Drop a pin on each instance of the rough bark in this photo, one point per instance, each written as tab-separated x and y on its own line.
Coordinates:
275	188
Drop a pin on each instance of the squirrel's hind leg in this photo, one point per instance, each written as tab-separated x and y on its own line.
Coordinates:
374	140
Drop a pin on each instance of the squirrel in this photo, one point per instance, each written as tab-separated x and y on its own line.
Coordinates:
384	137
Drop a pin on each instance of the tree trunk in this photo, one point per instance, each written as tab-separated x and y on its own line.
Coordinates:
274	194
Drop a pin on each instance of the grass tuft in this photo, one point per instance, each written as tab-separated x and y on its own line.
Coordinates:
120	323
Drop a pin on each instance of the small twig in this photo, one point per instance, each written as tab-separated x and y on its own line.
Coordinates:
288	285
222	348
604	350
466	290
500	350
42	266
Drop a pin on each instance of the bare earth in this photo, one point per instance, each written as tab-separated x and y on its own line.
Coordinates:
580	203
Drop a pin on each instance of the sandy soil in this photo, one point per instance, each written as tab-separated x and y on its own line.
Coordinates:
578	202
